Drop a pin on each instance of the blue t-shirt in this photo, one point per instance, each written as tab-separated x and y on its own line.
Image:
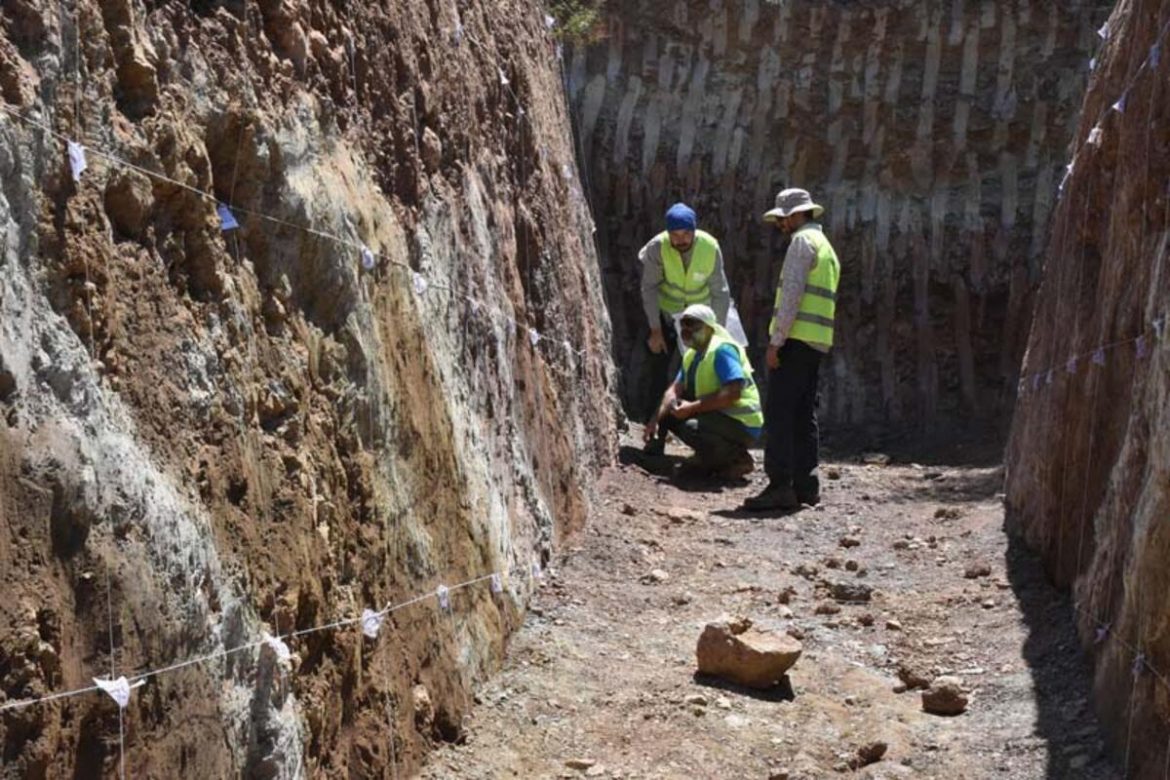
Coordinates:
727	368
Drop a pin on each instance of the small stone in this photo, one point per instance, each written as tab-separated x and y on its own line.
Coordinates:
785	612
912	676
893	625
865	620
852	591
832	563
828	608
696	699
947	513
682	599
628	509
869	753
595	771
976	570
875	459
655	577
989	603
901	544
786	595
852	565
833	473
945	697
807	570
849	541
580	764
723	703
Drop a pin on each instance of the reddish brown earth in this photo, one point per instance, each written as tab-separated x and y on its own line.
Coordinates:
603	670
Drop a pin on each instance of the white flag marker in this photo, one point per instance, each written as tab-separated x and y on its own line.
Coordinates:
419	282
283	654
77	163
533	337
369	261
444	595
119	689
497	583
372	623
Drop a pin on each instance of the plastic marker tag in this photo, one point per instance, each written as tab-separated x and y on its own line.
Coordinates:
1104	31
549	22
119	689
372	623
533	337
419	282
227	220
1095	136
1102	634
77	163
536	572
497	583
1119	106
503	78
283	654
368	259
444	595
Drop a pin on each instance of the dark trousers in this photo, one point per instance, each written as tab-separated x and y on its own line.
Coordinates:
664	367
790	418
717	440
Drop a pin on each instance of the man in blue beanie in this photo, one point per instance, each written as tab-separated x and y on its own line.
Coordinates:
681	266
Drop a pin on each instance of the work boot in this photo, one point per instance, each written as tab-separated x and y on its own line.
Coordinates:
808	491
738	468
774	497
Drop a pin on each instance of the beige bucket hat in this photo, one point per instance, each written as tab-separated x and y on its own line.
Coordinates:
792	201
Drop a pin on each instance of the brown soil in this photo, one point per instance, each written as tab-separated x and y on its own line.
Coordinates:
603	670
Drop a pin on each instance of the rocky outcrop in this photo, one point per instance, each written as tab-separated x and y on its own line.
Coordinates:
1089	457
210	436
934	133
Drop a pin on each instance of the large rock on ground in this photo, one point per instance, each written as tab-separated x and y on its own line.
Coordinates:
746	655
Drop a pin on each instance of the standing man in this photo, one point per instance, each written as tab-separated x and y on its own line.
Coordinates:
801	334
713	405
680	267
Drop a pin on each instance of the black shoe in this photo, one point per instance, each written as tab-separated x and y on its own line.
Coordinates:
655	448
773	497
808	491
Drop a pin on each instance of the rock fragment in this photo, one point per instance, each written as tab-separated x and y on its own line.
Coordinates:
945	697
745	655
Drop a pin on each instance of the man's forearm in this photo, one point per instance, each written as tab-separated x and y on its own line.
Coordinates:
725	398
668	399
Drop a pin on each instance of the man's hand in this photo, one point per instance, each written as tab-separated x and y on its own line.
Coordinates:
685	409
773	357
649	430
656	343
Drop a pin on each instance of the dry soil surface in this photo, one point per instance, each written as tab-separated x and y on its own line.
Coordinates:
601	681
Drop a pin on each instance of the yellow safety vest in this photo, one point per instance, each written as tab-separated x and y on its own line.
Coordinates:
704	382
818	305
680	287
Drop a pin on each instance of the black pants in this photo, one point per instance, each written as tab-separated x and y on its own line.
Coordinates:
718	440
663	367
790	418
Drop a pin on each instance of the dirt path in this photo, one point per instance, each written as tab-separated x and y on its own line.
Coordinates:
603	671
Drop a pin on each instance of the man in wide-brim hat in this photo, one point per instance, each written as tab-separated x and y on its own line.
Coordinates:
800	334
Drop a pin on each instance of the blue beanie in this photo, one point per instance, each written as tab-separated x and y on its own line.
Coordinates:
681	217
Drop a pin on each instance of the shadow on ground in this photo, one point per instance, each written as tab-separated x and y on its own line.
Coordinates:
781	691
1061	673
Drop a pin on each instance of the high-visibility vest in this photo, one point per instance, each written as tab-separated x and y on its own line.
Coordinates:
681	286
818	305
703	381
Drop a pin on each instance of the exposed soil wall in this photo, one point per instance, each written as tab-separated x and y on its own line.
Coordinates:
206	436
934	133
1089	458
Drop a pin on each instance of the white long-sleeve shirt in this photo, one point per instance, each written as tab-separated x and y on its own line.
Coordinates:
799	261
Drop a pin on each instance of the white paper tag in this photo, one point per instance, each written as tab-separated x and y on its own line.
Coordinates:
497	583
503	78
536	572
1104	31
368	259
372	623
419	282
1095	136
533	337
444	595
283	654
549	22
119	689
77	161
1119	106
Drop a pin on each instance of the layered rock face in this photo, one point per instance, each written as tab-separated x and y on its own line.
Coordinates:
1089	457
933	133
210	436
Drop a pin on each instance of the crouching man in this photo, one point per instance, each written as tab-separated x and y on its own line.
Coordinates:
713	406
